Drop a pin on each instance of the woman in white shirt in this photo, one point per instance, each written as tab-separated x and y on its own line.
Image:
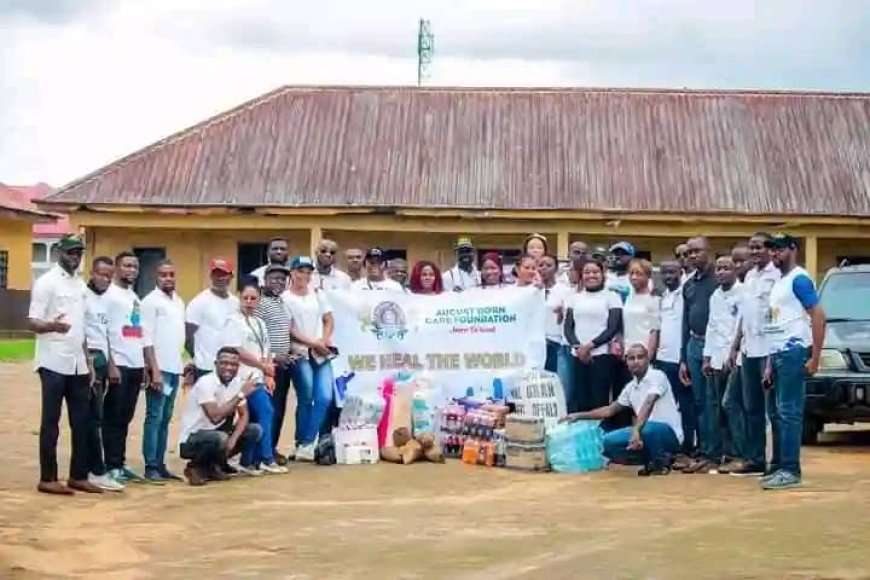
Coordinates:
247	332
641	312
592	319
311	335
491	271
527	271
559	359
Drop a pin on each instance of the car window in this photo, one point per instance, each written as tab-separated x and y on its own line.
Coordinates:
846	295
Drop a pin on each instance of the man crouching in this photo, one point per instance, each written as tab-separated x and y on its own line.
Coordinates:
657	431
214	426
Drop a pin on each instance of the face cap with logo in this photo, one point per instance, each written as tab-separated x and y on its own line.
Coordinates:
375	255
301	263
221	265
463	244
71	242
625	247
781	242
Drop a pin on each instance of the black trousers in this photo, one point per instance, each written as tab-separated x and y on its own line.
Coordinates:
620	376
96	398
55	388
119	407
279	402
591	384
206	448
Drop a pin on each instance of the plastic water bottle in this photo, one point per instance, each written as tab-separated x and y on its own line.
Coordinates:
497	390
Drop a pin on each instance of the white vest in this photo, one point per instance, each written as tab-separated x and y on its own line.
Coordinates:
787	324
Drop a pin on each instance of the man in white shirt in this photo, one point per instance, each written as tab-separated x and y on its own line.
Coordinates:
97	335
326	276
398	271
215	423
578	253
127	352
57	316
208	317
464	274
376	269
163	321
668	355
354	258
721	329
657	431
279	251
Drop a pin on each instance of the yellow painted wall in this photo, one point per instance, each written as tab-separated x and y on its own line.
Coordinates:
15	238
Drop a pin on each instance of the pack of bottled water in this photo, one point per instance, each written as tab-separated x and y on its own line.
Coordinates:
575	447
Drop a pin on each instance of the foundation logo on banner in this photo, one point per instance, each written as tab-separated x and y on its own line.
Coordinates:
389	321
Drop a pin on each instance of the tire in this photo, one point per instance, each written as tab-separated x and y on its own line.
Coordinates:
812	427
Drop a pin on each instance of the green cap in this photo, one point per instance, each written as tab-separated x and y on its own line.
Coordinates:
71	242
782	241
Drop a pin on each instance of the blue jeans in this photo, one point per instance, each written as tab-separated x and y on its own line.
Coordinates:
754	412
314	391
561	361
263	414
659	445
695	362
685	404
787	412
158	414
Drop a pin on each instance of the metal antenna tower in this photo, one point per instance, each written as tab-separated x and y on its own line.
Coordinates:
425	50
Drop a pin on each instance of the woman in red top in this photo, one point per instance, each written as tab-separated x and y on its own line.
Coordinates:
426	278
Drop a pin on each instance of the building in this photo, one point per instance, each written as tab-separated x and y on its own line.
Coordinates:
17	218
411	168
45	234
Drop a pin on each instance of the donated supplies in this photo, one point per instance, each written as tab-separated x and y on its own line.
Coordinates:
575	447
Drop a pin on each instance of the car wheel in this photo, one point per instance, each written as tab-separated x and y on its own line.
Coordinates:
812	427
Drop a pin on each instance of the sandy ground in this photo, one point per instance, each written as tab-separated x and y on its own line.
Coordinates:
432	521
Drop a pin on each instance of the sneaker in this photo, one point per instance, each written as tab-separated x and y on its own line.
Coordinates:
194	475
117	476
748	470
647	471
273	468
105	482
728	466
168	475
228	470
782	479
250	471
305	452
131	476
152	474
280	459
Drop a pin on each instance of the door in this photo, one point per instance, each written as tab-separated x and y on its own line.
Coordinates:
148	260
251	255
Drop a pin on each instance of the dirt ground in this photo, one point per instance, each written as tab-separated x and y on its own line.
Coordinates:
432	521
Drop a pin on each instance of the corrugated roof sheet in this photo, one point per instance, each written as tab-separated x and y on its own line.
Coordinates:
579	149
17	199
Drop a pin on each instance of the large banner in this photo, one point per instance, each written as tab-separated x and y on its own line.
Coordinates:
463	340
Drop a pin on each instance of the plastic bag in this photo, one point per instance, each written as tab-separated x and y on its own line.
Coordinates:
324	453
575	447
361	409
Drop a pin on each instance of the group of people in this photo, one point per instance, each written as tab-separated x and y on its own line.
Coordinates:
736	333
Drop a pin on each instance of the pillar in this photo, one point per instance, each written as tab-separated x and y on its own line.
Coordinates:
811	256
316	235
563	241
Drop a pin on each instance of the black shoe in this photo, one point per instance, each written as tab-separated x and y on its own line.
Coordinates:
229	469
168	475
649	470
153	475
748	471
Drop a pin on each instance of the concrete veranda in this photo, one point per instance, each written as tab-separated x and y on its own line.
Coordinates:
432	521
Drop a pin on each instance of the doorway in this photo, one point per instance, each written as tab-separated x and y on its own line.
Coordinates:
148	260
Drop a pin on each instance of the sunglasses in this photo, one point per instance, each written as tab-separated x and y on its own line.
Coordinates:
330	252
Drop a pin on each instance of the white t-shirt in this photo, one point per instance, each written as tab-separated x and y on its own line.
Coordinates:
208	389
385	284
307	311
722	324
249	334
335	280
125	327
671	327
753	311
788	322
555	298
591	311
97	321
163	320
211	314
59	294
641	315
654	382
456	277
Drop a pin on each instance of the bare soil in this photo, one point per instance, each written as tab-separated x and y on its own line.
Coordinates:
432	521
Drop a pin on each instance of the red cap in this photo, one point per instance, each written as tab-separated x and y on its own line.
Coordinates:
221	264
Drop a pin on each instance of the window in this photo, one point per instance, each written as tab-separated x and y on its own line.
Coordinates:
250	256
4	267
148	260
395	253
38	253
53	254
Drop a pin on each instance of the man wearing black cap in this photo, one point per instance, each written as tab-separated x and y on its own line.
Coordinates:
375	278
795	329
278	254
463	275
57	316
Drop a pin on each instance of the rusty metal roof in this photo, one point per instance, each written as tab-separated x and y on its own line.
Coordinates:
581	149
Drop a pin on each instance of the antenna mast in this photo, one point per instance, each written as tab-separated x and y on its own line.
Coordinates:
425	50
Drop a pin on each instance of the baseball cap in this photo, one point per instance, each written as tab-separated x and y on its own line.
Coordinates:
782	241
463	243
221	265
301	262
625	247
71	242
276	268
375	254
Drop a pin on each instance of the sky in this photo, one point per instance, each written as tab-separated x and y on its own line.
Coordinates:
84	82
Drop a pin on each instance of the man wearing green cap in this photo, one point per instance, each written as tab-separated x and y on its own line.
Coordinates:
57	316
464	274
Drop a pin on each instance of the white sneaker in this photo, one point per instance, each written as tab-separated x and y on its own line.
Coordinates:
305	452
273	468
105	482
252	471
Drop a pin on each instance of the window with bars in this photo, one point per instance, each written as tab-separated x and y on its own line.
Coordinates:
4	268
